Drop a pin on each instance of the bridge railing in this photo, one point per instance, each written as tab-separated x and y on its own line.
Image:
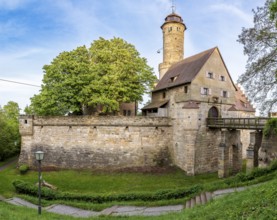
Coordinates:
237	123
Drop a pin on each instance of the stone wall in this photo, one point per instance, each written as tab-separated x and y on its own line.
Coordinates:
268	150
96	142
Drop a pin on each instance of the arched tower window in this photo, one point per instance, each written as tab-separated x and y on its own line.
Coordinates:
213	112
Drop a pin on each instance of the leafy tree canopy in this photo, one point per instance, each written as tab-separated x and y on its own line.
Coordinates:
273	11
9	130
260	45
106	74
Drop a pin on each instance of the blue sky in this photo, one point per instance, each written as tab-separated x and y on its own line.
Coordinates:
33	32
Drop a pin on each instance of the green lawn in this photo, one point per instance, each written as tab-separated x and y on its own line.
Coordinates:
256	203
87	182
98	183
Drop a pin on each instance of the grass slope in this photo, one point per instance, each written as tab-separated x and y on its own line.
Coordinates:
259	202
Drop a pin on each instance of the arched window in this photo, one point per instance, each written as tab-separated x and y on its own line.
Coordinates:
213	112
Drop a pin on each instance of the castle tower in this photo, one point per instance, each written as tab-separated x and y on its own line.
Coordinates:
173	42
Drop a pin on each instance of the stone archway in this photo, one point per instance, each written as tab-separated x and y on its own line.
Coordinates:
213	112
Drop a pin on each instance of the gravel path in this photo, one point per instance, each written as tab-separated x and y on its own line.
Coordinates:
127	210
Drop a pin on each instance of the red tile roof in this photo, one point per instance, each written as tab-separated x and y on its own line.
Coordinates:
242	103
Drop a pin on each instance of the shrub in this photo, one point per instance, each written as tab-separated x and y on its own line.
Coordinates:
270	127
23	168
48	194
273	165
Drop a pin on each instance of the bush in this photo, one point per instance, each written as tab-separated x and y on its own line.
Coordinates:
23	168
270	127
255	173
273	165
48	194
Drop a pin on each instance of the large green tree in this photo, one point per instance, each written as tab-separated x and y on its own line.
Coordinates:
9	130
260	45
273	11
104	75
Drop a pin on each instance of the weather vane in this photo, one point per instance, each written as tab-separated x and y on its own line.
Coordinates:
173	6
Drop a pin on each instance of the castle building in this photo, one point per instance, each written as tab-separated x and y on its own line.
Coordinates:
189	91
202	79
175	131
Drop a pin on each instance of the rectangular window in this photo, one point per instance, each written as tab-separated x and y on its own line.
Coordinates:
164	95
222	78
225	94
186	89
129	113
210	75
205	91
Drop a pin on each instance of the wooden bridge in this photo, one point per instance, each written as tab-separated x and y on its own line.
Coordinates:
237	123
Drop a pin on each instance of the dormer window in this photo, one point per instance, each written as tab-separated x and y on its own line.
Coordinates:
172	79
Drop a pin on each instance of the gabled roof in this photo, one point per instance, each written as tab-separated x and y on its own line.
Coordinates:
184	71
242	103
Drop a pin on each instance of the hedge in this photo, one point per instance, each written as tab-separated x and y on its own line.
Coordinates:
48	194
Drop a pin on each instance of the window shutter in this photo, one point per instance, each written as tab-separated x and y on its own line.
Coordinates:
210	91
221	93
202	91
228	94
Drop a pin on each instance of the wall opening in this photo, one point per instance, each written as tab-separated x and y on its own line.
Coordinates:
213	112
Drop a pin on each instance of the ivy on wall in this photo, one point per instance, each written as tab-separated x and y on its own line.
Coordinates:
270	127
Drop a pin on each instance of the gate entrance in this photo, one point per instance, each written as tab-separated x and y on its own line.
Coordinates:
213	113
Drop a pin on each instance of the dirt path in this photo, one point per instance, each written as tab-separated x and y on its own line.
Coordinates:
8	163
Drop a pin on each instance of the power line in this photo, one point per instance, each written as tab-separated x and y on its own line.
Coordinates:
26	84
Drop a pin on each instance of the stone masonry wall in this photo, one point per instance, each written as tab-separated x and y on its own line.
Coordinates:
268	150
96	142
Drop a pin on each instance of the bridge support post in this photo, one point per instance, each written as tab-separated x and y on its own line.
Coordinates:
237	158
253	150
230	153
250	159
223	161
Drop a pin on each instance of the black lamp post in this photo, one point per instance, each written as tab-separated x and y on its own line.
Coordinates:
39	157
